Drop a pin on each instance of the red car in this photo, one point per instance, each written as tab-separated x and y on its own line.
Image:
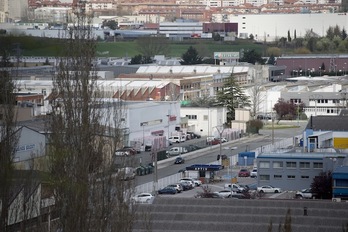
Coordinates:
214	141
244	173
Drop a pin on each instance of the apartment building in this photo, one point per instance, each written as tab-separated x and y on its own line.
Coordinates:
11	11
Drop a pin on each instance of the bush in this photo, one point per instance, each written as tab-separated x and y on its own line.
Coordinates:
254	126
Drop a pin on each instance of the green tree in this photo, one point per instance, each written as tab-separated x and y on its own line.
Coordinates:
231	96
271	60
252	57
190	57
205	101
282	42
322	185
254	126
344	34
289	37
139	59
112	24
330	33
295	37
251	37
216	36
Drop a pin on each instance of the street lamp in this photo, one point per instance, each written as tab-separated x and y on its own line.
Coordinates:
220	134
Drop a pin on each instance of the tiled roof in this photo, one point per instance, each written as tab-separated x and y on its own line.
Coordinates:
328	123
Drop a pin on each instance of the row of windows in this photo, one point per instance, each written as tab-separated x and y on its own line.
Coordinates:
291	164
279	177
191	116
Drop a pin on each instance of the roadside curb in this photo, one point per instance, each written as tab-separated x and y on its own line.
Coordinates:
201	152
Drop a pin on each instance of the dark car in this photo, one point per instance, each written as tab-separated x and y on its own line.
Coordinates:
186	186
244	173
167	190
193	135
179	160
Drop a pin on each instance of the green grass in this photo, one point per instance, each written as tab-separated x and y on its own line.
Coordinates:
279	126
206	48
33	46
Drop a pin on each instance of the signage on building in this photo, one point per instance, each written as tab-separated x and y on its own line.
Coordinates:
27	147
172	118
226	55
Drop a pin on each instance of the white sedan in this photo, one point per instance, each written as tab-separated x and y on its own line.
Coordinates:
226	193
268	189
143	198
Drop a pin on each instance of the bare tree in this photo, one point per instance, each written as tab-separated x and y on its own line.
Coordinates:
151	46
8	138
85	130
256	92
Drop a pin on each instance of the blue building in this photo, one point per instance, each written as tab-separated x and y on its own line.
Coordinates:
340	183
295	171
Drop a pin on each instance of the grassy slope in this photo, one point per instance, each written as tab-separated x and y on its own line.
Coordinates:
46	47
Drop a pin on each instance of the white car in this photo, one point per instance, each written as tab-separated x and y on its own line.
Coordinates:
253	173
195	182
306	193
226	193
143	198
268	189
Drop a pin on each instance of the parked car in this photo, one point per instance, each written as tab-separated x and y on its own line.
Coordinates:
244	173
175	139
125	152
235	187
178	187
132	149
210	139
193	135
143	198
226	193
268	189
179	160
253	173
167	190
176	151
195	181
186	185
215	141
306	193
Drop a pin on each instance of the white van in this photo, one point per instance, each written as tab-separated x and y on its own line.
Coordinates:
175	139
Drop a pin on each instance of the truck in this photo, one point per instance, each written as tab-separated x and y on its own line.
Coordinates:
174	151
234	187
126	173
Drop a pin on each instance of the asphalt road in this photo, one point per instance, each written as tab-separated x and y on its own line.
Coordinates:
210	155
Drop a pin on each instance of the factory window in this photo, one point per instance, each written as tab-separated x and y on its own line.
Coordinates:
304	165
291	164
264	164
291	177
277	176
317	165
264	177
277	164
